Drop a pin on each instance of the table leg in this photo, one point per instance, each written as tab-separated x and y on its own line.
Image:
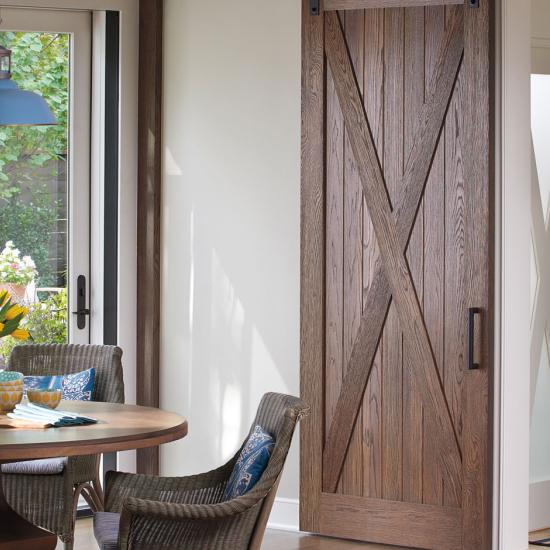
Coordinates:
17	533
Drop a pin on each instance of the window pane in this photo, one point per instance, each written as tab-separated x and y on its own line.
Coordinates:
33	190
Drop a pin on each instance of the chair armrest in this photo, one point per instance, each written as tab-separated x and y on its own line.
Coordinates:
175	511
174	524
204	488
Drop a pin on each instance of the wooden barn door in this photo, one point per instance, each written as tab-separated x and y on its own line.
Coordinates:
396	271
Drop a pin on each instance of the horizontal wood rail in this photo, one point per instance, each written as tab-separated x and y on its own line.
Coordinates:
384	521
330	5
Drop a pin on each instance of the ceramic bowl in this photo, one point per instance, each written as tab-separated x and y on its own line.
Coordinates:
8	400
48	398
11	386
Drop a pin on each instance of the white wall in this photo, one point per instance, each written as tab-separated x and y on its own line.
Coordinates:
230	241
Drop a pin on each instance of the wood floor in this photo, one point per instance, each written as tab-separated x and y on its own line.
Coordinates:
538	536
274	540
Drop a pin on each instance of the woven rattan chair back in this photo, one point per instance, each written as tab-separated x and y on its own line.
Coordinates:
47	359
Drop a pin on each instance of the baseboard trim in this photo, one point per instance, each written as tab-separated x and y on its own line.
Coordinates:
285	515
539	505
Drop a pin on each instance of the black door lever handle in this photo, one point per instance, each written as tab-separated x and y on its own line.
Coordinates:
81	310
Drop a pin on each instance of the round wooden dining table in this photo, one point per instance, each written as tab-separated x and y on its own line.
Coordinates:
119	428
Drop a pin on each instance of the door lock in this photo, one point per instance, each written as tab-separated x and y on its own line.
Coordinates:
81	310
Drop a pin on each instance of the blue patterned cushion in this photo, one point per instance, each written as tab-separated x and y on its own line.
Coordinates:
75	387
251	463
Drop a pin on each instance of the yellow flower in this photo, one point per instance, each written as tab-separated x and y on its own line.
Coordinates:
21	334
4	297
14	311
1	327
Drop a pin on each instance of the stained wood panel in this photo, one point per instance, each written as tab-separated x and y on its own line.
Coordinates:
413	55
392	340
148	218
426	526
352	473
312	268
397	279
372	401
434	254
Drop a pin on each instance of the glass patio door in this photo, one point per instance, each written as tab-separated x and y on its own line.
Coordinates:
45	176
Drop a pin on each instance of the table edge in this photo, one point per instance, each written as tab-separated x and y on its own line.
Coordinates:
93	447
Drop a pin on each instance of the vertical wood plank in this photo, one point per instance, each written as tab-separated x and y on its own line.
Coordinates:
312	296
352	472
434	253
335	249
479	113
374	106
148	217
412	406
392	342
455	305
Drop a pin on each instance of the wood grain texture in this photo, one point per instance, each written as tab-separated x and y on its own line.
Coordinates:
413	99
334	249
385	521
372	4
392	338
455	257
120	428
400	391
434	255
352	472
378	297
479	134
374	106
396	267
148	215
312	297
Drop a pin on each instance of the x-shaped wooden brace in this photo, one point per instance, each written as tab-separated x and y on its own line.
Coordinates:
392	278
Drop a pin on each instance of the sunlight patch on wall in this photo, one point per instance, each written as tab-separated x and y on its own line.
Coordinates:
171	167
231	418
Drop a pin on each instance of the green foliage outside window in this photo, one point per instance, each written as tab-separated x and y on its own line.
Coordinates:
28	225
31	156
39	64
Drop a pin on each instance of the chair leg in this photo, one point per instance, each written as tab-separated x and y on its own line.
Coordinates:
92	498
98	495
96	484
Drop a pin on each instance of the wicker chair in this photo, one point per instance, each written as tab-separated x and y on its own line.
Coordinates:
146	512
50	501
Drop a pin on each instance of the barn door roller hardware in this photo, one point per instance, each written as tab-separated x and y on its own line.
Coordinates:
314	7
473	3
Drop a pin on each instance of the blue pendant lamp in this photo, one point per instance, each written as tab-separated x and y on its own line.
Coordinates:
18	107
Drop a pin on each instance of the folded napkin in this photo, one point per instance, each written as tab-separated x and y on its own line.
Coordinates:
46	417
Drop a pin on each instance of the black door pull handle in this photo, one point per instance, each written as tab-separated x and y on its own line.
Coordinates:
474	320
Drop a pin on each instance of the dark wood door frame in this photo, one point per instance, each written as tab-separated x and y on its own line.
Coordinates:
148	215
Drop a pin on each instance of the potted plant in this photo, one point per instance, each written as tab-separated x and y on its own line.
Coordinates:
16	272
